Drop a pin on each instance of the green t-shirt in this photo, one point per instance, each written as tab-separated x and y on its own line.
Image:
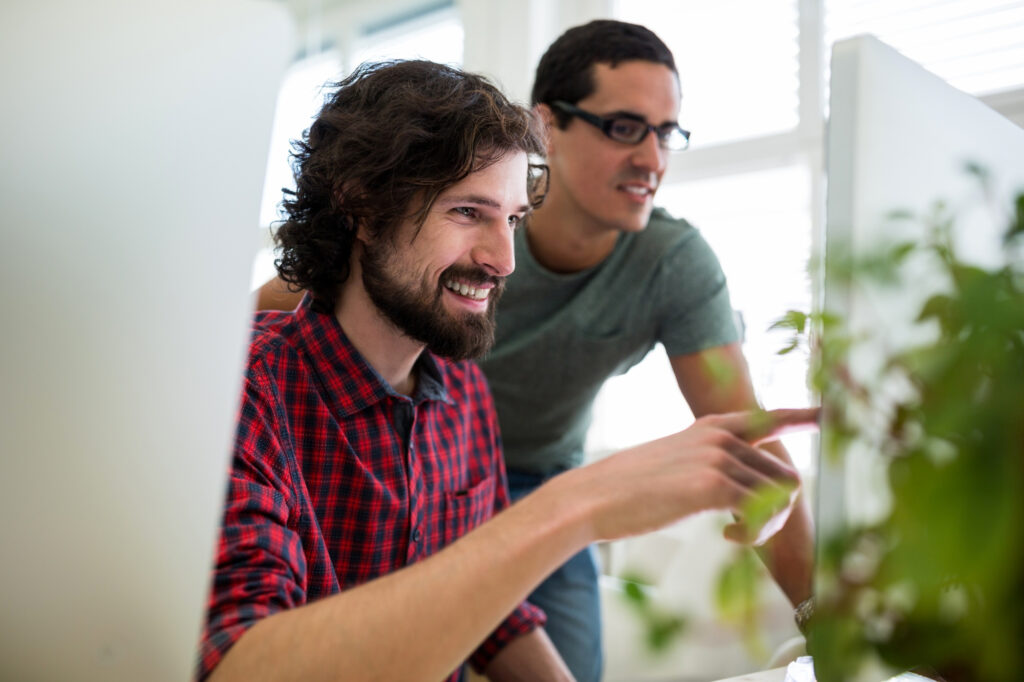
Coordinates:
560	336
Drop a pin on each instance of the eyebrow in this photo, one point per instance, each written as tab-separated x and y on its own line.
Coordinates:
479	200
639	117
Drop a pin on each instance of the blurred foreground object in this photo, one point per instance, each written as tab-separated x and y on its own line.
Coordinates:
134	141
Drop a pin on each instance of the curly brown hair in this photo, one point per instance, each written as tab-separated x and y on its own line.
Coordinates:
390	139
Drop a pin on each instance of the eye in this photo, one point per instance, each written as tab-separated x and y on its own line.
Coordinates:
514	221
626	129
467	212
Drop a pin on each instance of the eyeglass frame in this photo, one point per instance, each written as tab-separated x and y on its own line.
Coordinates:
605	123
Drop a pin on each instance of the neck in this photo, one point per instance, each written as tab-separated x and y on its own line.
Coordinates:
564	239
384	346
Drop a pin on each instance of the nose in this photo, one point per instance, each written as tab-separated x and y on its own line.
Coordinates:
494	250
649	155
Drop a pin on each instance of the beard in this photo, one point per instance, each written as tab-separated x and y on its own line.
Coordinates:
417	309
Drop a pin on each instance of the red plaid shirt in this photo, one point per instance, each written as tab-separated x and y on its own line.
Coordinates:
337	479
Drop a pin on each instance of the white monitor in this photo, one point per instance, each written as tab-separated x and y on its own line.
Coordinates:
899	138
134	138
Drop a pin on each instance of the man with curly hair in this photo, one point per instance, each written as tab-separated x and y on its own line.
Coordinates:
357	539
357	452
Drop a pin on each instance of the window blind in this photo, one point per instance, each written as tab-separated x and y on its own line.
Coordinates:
975	45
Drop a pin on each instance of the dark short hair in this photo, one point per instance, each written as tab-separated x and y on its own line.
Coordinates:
388	141
566	71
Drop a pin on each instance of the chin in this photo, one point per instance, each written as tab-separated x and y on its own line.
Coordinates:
634	223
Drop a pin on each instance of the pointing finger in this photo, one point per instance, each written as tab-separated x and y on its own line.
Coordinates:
760	426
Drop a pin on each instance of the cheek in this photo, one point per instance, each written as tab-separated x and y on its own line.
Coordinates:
597	164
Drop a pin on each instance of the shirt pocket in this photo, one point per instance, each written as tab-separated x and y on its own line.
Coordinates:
464	510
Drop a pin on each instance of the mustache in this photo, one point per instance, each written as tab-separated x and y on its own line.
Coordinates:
639	176
471	275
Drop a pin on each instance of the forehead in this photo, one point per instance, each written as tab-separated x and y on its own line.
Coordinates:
503	182
646	88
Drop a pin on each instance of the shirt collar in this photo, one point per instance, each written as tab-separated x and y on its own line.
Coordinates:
349	382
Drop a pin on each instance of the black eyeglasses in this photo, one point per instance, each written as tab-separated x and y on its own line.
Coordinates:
629	128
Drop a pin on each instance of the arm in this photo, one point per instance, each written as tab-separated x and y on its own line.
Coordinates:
717	380
276	295
420	622
530	658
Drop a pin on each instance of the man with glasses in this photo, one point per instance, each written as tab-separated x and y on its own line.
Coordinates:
601	277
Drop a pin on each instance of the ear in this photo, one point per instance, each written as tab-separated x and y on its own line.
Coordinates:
361	233
546	117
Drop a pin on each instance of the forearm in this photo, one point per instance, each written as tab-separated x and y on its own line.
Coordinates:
789	555
276	295
530	658
423	621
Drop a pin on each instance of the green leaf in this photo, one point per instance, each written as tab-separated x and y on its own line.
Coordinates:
899	252
795	320
1017	221
789	347
977	170
940	307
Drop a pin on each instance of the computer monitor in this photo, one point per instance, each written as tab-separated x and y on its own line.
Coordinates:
134	138
899	139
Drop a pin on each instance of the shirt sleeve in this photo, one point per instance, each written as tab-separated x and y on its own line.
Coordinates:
693	300
260	568
526	617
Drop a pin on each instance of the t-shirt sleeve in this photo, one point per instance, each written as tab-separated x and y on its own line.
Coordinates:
260	568
693	299
526	617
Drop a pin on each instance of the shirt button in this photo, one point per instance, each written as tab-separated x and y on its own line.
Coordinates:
416	536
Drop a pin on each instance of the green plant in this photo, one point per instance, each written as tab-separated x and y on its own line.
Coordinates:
661	626
936	579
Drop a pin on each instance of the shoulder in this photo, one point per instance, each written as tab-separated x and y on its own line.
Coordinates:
679	243
668	229
666	245
663	221
663	236
272	338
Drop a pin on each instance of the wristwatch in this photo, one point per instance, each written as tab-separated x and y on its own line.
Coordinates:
802	614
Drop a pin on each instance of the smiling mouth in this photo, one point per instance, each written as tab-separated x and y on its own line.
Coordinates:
637	190
467	290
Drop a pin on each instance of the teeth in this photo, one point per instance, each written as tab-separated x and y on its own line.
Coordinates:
467	291
635	190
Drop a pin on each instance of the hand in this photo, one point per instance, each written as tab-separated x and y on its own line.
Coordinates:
713	464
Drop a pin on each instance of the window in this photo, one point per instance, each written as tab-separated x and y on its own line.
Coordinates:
435	34
975	45
737	63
